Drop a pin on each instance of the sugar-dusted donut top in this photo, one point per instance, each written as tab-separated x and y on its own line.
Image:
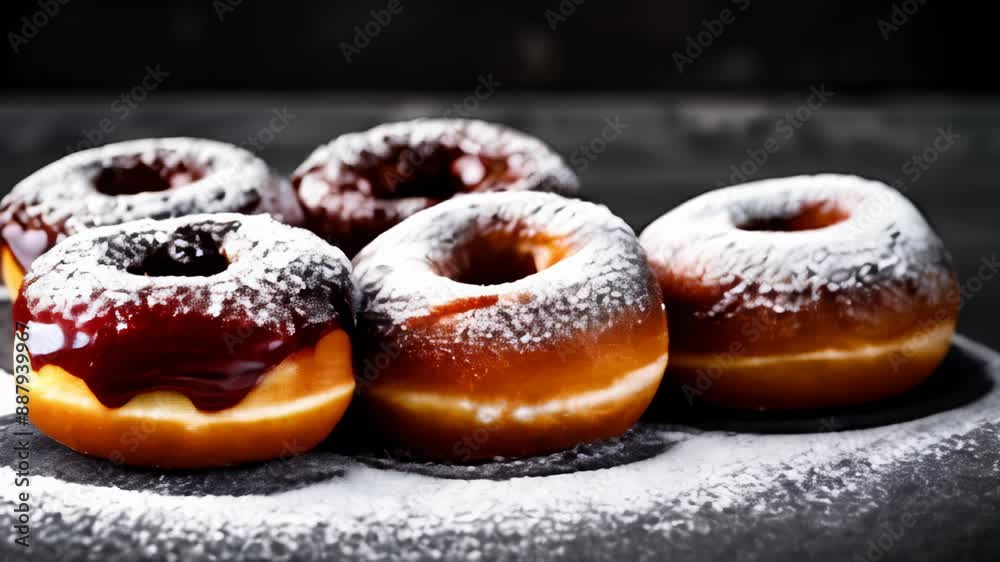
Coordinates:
403	279
202	304
360	184
151	178
459	154
783	244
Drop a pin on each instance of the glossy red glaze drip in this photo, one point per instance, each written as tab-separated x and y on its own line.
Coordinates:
214	365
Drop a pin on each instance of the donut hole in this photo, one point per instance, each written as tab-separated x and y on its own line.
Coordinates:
494	259
190	254
129	175
438	173
811	216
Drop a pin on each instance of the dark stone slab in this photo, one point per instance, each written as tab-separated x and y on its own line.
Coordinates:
916	478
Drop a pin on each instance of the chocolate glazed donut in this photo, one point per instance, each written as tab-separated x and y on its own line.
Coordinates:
361	184
802	292
116	183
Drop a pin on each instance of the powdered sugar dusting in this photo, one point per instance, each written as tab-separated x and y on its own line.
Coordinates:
400	277
278	276
884	240
62	195
539	167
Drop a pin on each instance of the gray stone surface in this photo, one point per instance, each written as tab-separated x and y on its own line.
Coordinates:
917	480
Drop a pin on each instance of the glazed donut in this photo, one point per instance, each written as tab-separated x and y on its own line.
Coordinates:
507	324
802	292
209	340
360	184
152	178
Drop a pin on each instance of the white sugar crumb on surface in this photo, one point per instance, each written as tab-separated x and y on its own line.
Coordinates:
278	276
884	242
371	514
402	275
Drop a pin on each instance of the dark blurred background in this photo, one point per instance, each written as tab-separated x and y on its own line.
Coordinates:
858	87
555	45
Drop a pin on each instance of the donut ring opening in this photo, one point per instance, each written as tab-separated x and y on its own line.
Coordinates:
131	174
187	253
500	255
809	216
432	170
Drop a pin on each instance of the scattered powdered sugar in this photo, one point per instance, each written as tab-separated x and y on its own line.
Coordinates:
401	277
62	196
278	276
884	240
692	495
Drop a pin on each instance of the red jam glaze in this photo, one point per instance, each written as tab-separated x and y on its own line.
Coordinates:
213	360
214	365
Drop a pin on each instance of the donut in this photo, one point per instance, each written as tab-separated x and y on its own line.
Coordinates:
116	183
361	184
802	292
506	324
193	342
